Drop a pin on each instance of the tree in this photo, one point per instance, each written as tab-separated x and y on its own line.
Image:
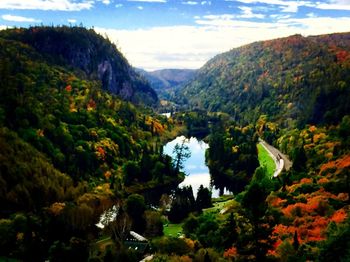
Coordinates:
228	232
154	224
337	245
181	152
117	223
299	158
135	207
296	243
190	225
203	198
131	172
183	203
255	205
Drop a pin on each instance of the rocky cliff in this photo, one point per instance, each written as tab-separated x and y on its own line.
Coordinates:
91	55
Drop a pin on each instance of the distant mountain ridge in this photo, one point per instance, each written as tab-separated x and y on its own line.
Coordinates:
294	80
90	54
163	79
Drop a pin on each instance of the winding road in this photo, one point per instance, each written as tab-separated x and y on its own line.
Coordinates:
281	160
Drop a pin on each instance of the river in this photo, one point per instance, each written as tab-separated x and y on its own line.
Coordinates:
197	173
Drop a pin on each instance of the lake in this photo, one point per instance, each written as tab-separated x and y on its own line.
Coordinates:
197	173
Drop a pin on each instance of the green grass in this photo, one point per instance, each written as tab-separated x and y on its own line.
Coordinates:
266	160
172	230
226	207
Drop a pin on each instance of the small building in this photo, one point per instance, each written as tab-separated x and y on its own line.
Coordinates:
137	242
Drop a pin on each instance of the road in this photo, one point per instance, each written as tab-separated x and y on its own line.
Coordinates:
281	160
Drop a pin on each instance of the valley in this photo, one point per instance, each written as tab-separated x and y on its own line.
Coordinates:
82	134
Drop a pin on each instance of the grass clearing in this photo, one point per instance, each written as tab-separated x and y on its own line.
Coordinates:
266	160
221	208
172	230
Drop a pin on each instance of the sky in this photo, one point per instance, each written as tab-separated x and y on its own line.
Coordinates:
158	34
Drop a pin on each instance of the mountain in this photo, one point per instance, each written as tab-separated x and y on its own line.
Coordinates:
69	149
164	80
89	54
294	80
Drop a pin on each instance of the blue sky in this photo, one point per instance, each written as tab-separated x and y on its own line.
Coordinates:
155	34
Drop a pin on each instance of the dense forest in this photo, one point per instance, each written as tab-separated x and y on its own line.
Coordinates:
295	81
293	93
69	151
83	176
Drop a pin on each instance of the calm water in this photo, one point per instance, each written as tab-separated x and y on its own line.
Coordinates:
197	173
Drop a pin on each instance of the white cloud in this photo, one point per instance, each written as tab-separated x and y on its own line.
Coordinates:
140	7
106	2
3	27
148	1
311	15
192	46
15	18
292	6
57	5
118	5
285	6
334	5
279	16
248	13
190	3
73	21
206	3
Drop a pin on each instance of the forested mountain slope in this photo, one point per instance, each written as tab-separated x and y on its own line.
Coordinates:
167	78
68	151
294	93
166	81
90	54
294	80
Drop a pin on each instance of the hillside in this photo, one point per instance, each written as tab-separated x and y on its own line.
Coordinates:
69	150
89	54
294	80
294	93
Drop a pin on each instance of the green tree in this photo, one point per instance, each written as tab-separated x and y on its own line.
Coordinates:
181	152
337	246
154	224
183	203
131	170
203	198
254	202
190	225
135	207
299	158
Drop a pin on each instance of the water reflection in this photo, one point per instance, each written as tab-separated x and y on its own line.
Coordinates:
194	167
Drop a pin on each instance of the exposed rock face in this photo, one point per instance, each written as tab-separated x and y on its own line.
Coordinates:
90	54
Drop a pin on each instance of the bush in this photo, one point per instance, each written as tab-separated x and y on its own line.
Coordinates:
168	245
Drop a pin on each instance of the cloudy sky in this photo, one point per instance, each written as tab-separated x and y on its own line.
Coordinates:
155	34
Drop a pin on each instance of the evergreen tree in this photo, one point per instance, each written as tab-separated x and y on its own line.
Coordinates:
181	152
203	198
